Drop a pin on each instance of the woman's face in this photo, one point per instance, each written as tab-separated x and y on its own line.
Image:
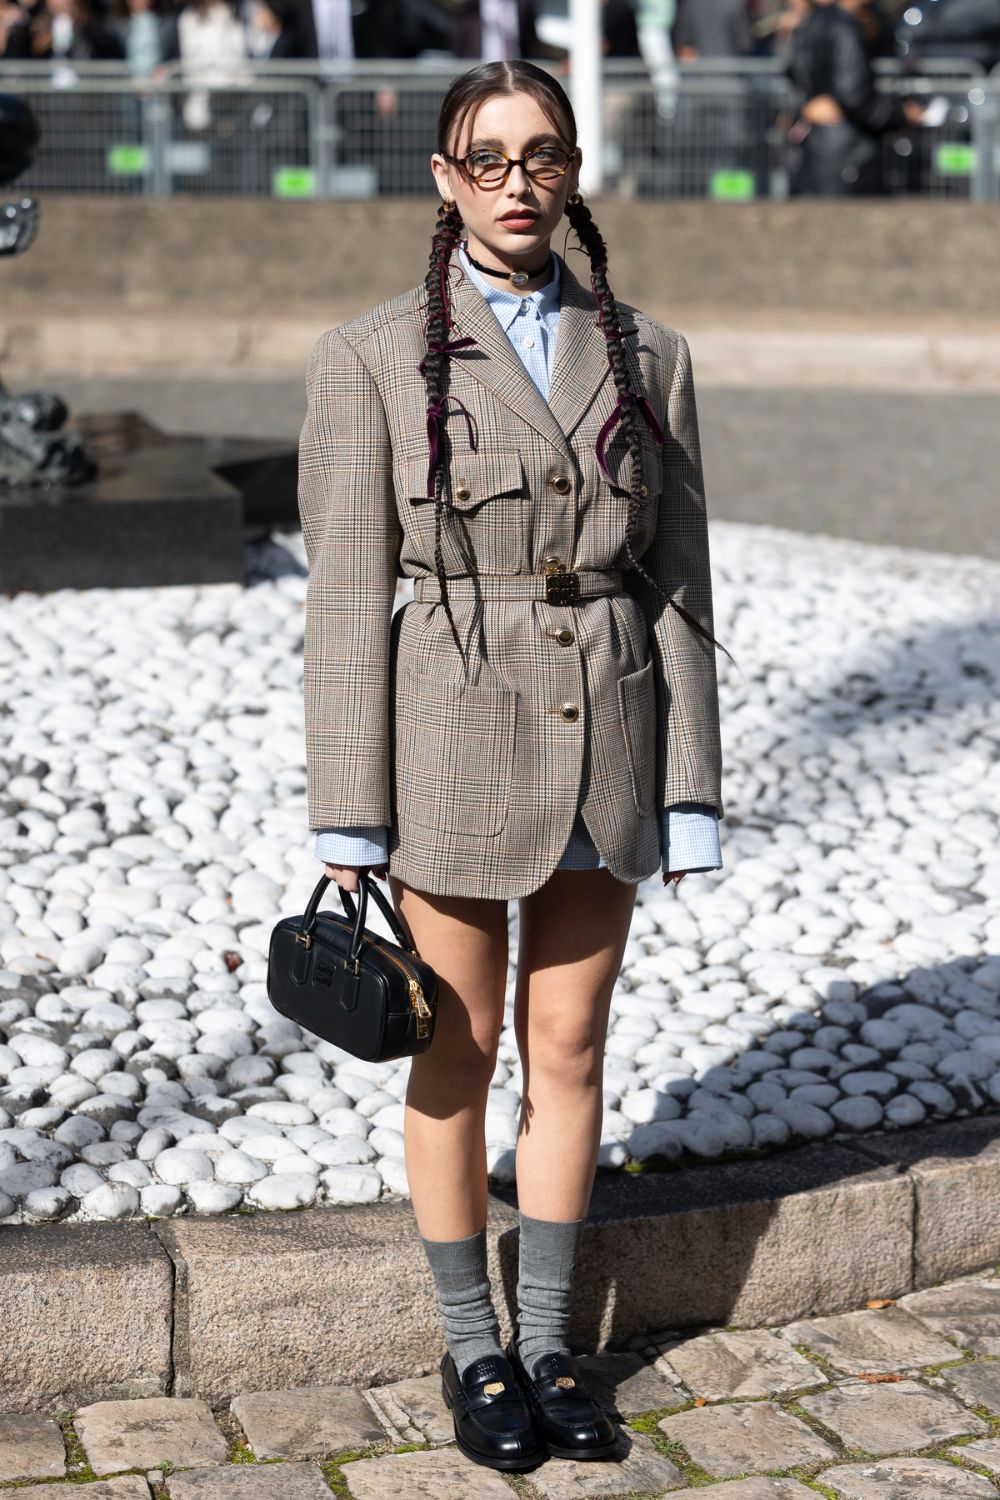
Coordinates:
513	123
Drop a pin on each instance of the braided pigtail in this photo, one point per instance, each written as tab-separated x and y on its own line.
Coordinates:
630	402
434	368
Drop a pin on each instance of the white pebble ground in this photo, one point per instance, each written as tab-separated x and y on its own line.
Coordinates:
841	974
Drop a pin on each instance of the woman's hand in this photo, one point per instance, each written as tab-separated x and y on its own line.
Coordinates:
675	877
346	876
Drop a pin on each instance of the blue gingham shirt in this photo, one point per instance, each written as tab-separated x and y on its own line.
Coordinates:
689	830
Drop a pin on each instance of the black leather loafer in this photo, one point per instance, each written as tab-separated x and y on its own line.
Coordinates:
493	1423
575	1426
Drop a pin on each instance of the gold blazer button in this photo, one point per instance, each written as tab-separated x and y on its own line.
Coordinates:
559	482
569	711
564	636
462	491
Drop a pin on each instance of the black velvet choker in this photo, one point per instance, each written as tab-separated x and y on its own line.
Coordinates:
517	277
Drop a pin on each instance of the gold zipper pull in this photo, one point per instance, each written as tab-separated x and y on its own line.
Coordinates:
419	999
419	1003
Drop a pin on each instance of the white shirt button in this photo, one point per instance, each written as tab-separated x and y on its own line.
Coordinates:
529	343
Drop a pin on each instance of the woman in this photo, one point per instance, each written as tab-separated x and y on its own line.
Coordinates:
531	725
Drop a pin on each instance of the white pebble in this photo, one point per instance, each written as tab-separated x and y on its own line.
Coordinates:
114	1200
351	1184
213	1197
179	1165
284	1190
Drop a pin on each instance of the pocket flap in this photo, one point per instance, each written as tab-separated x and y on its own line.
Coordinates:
617	459
474	477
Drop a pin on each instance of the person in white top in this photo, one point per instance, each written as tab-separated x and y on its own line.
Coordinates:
213	47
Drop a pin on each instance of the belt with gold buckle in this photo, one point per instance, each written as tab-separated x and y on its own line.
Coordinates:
561	586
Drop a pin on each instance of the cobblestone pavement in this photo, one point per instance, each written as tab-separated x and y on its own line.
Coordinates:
899	1400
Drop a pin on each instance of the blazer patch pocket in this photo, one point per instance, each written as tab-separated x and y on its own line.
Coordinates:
637	709
454	753
475	477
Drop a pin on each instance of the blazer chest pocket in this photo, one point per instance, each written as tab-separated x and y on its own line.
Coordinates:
637	710
484	514
454	753
474	478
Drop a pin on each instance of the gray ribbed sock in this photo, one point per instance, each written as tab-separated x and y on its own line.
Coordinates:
471	1330
546	1261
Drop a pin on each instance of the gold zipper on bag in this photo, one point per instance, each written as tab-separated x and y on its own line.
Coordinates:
418	999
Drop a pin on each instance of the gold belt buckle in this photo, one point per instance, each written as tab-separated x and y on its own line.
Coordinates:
560	587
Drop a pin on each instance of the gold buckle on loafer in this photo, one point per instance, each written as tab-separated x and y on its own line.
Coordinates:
565	1380
494	1388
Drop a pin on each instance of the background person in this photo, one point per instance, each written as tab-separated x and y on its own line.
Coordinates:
842	116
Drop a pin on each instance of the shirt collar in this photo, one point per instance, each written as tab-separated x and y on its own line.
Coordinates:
505	304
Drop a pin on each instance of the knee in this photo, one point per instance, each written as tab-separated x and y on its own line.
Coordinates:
565	1052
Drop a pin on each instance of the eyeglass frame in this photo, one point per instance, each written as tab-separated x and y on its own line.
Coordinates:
512	162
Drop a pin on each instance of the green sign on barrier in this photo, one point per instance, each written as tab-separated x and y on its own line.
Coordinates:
127	161
294	182
733	186
953	160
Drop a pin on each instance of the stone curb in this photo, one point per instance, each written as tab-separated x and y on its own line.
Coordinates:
218	1306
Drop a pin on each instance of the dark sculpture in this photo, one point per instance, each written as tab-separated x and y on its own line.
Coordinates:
33	449
117	503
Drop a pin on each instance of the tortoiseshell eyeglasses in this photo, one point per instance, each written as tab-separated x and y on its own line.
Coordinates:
491	168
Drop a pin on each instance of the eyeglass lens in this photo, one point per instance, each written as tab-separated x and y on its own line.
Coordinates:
491	166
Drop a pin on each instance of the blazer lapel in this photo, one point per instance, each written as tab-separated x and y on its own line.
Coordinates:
579	369
581	361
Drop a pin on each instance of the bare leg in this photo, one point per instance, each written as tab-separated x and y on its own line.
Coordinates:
465	940
573	932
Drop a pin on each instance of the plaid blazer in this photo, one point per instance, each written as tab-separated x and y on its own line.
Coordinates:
477	766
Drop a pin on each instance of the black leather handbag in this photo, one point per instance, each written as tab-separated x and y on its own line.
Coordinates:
349	986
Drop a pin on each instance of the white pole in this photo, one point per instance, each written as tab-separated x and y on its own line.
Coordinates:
585	89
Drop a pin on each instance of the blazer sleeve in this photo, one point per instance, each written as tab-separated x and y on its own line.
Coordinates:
689	750
352	537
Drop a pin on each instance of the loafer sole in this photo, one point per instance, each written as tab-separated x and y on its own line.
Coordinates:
605	1451
516	1460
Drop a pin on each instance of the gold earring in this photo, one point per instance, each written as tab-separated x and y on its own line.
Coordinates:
575	198
448	203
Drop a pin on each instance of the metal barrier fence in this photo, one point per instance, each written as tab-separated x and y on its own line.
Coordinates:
303	129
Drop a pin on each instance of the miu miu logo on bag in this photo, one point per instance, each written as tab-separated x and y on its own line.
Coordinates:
323	973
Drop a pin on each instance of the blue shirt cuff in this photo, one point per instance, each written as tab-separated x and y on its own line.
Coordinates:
359	844
690	838
690	841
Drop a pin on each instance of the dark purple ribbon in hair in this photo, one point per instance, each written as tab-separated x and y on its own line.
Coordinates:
616	416
435	416
437	346
616	338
